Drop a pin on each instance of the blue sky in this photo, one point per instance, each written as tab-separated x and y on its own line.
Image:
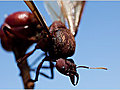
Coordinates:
98	44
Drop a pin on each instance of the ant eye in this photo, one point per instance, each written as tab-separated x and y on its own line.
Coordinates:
63	68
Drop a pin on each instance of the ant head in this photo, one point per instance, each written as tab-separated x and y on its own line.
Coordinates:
68	68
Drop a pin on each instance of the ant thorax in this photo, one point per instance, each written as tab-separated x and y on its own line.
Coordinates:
62	44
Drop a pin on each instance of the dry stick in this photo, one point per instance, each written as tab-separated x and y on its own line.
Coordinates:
24	68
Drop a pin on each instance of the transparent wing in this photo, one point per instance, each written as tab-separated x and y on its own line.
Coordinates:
72	11
54	11
66	10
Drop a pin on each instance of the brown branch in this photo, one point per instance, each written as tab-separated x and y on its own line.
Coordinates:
19	52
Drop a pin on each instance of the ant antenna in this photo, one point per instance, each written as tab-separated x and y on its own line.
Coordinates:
91	67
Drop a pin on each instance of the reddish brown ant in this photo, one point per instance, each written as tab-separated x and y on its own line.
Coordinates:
56	41
59	45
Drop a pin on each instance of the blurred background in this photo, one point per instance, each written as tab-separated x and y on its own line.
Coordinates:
98	44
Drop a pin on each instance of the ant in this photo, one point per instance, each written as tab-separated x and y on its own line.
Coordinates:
58	44
56	41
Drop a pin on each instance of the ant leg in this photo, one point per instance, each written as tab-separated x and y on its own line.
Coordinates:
37	59
38	69
37	72
40	66
25	57
51	68
91	67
